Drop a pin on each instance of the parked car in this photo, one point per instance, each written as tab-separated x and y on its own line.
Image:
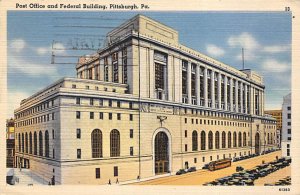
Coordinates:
180	172
239	168
205	166
192	169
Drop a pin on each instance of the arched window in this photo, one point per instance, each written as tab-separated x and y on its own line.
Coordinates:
223	139
114	143
203	138
19	140
96	139
40	143
46	143
240	139
30	142
35	143
26	142
22	142
234	139
244	139
195	141
210	140
217	140
229	139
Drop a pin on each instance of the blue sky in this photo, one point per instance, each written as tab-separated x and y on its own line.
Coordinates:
265	37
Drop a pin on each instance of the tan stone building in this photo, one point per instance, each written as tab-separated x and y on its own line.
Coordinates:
277	114
142	106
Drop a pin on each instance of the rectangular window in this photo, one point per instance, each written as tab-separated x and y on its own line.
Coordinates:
116	174
289	138
131	151
130	105
73	86
159	76
289	123
53	153
109	103
288	152
53	116
288	108
97	173
100	115
119	116
288	145
91	115
195	160
131	117
185	133
210	158
118	104
78	153
185	120
203	159
53	135
185	147
110	116
289	131
289	115
91	101
131	133
77	114
78	133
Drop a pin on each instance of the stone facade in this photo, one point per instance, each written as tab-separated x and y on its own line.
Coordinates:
142	106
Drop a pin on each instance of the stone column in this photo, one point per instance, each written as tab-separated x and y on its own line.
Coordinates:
231	94
246	99
225	92
198	84
236	95
189	83
212	80
219	90
242	97
205	87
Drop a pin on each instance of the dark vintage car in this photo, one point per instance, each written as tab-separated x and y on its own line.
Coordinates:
192	169
239	168
205	166
180	172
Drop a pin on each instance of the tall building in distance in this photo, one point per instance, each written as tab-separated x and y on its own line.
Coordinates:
286	125
277	114
10	142
142	106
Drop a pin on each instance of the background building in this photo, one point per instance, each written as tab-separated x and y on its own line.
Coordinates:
277	114
10	142
142	106
286	125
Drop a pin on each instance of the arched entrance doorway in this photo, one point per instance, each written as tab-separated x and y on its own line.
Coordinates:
257	145
161	147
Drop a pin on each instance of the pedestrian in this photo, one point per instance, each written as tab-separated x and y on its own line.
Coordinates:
117	181
109	182
138	178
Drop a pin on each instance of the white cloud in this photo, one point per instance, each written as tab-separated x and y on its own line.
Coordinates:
275	66
244	40
59	48
31	68
214	50
14	99
17	45
43	50
276	48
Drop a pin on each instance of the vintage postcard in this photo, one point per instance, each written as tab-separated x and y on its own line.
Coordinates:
149	97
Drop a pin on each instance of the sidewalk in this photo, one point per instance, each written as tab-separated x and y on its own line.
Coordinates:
26	177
